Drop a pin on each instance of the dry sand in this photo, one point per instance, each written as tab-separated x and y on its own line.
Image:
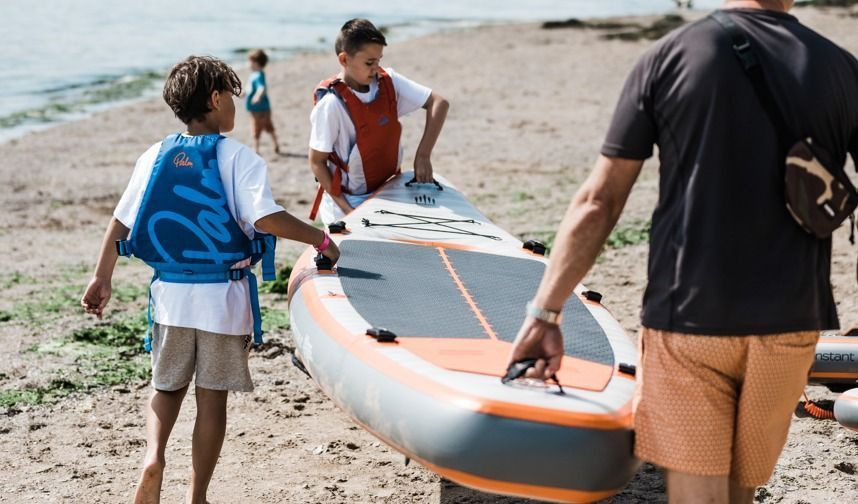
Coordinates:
529	109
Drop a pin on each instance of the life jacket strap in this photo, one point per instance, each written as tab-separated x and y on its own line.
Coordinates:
267	244
254	308
147	338
123	248
189	276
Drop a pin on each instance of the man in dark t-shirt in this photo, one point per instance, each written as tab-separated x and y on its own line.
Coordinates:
737	292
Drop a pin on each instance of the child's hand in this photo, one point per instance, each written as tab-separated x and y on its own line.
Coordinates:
423	169
97	295
332	252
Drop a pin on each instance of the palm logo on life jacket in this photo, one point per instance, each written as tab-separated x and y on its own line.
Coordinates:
377	131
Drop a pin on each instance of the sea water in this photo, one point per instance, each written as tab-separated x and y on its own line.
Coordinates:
64	59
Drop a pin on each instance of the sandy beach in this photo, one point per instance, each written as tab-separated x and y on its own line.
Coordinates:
529	109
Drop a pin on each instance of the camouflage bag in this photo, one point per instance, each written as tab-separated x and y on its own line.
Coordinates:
818	198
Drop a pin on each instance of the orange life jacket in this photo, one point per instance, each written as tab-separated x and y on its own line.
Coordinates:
377	131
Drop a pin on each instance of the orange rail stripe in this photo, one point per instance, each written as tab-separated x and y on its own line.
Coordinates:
364	349
833	375
467	295
497	486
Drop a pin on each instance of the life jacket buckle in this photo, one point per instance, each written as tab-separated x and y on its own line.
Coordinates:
235	274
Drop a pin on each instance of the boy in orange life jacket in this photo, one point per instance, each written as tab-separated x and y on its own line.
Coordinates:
350	163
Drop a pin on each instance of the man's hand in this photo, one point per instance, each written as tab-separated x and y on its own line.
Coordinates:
542	341
96	296
423	169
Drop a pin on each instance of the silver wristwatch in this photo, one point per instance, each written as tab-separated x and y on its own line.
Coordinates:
547	316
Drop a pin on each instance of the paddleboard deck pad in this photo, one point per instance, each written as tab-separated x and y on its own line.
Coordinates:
448	288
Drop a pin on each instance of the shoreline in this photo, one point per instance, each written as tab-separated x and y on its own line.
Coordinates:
75	101
529	109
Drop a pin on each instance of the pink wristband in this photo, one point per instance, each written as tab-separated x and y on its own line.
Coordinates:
324	245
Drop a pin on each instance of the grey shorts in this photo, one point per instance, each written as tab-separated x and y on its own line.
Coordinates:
218	360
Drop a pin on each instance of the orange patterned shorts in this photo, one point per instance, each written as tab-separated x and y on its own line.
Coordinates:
719	405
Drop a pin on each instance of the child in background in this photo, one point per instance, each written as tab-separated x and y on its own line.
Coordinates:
195	207
257	100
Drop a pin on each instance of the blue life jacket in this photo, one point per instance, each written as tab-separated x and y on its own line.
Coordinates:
184	229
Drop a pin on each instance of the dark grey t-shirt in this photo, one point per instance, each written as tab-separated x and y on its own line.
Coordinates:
725	255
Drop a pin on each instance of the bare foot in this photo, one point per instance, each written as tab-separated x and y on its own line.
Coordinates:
149	487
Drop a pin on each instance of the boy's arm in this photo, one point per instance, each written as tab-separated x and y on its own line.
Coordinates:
285	225
99	289
319	166
258	95
436	112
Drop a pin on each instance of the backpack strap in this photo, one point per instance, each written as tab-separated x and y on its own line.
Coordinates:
751	64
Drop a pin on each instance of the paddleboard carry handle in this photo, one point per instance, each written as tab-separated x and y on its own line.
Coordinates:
381	334
517	369
337	227
534	246
593	296
323	263
414	181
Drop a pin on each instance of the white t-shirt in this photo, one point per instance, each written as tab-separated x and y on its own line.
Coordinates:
216	307
332	129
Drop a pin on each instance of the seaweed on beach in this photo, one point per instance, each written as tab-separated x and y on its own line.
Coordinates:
623	31
594	25
652	32
103	355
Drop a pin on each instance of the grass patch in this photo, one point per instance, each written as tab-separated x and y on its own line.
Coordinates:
623	235
130	291
274	319
49	302
47	306
632	233
280	285
106	354
16	278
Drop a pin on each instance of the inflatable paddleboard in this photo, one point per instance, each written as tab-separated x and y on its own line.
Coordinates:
836	362
410	333
836	367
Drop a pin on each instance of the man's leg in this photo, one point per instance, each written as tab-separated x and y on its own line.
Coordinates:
209	431
163	409
685	488
775	375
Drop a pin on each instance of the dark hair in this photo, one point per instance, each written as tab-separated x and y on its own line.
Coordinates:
191	82
355	34
259	57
